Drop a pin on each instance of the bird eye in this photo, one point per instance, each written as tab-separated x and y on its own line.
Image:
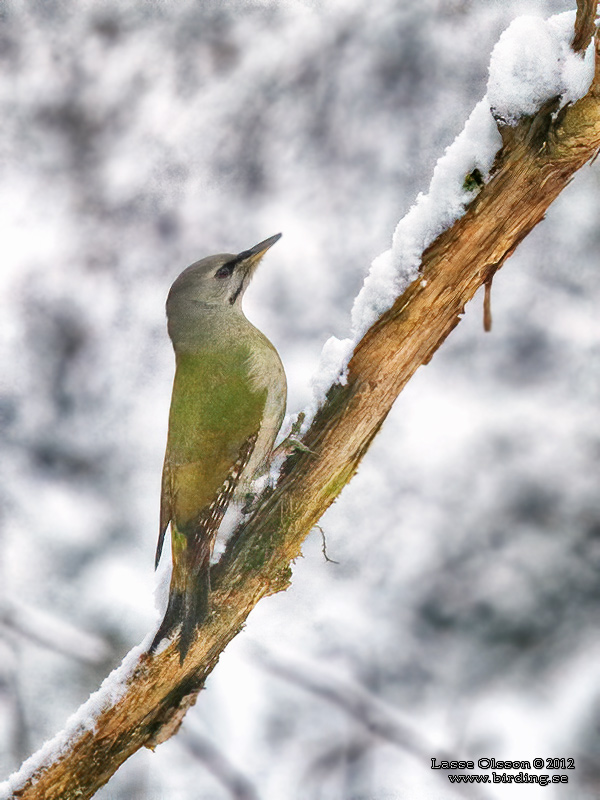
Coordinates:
225	271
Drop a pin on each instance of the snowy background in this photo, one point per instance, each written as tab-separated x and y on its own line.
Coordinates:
138	137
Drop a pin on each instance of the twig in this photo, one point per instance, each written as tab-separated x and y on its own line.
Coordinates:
324	546
487	305
585	24
52	633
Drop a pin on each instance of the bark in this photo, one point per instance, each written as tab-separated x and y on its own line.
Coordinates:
585	24
537	161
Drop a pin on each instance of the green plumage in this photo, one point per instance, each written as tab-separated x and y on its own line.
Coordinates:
227	406
214	411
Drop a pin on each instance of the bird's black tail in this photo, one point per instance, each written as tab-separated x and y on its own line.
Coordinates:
187	609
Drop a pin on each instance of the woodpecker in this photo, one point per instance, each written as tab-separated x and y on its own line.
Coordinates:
227	406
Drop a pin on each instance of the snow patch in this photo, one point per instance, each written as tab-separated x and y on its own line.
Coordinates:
334	359
533	62
391	272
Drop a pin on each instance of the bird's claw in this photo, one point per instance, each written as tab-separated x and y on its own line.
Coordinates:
290	445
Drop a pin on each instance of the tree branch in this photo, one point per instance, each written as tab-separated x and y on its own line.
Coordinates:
144	702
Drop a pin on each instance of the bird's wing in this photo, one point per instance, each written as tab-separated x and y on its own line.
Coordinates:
212	515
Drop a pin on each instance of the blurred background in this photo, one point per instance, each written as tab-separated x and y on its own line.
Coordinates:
138	137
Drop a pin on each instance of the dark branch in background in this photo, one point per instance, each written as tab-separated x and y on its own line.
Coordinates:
350	754
371	713
52	633
236	783
364	707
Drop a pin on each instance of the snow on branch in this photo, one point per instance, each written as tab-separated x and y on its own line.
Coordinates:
532	63
81	722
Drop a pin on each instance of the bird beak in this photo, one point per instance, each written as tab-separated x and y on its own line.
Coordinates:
250	258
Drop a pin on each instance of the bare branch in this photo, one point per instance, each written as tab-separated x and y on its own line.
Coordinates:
237	784
366	709
347	753
52	633
585	24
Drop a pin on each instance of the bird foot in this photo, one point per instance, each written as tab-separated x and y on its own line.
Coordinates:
291	445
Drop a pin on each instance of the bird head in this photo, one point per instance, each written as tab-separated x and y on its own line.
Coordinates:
219	280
